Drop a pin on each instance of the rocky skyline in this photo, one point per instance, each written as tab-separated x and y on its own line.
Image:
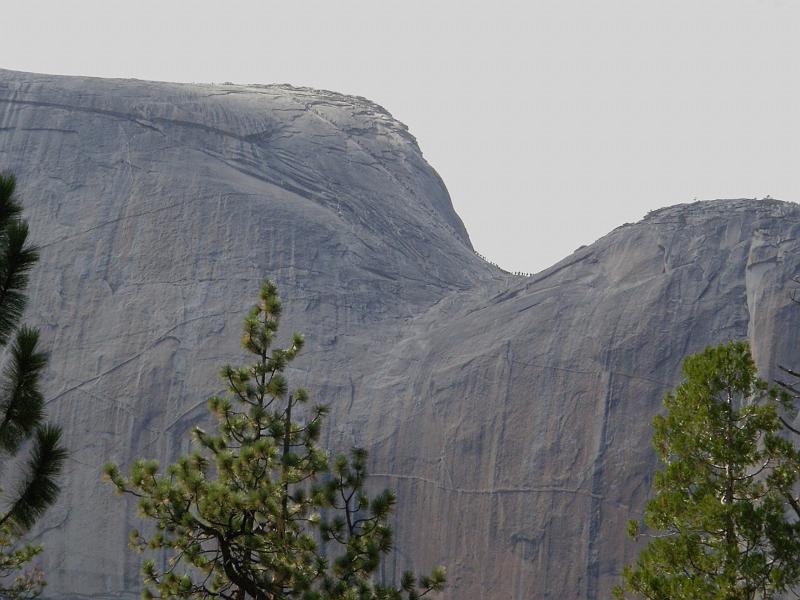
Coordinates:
512	414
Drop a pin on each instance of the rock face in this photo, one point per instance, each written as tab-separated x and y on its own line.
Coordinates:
512	415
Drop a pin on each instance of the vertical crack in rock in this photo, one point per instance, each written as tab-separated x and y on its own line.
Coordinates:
598	484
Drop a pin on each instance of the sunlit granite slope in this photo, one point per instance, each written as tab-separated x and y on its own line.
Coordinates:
511	414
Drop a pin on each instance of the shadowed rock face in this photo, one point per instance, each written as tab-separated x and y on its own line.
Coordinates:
511	414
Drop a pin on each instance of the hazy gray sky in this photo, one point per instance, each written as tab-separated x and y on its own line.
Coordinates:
550	122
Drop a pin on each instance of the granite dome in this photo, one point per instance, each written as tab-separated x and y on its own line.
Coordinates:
511	414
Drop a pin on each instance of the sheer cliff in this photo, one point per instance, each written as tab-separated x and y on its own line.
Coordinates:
511	414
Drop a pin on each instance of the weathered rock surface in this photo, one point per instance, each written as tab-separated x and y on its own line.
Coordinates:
512	415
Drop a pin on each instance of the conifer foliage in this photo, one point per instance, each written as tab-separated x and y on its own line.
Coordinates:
256	511
23	432
725	519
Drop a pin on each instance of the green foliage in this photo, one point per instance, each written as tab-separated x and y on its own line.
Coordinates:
724	523
22	409
255	511
18	583
17	258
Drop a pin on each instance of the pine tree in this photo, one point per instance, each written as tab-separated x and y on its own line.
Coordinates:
22	429
725	519
255	511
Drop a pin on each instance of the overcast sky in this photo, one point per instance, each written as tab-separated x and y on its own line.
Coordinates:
550	122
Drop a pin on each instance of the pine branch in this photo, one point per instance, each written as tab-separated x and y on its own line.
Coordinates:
16	260
22	403
40	488
9	208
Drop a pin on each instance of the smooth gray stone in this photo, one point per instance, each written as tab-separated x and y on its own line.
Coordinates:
511	414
